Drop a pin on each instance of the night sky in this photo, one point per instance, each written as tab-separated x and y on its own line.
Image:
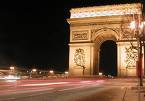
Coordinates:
37	33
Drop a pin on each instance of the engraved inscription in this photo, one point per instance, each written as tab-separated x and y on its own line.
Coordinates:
80	35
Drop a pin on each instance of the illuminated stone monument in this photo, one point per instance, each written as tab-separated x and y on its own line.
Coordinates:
91	26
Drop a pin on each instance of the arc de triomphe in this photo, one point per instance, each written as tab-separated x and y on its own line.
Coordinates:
92	26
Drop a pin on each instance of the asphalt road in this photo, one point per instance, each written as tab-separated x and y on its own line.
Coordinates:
63	89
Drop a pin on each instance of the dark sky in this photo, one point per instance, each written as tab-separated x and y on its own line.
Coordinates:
37	33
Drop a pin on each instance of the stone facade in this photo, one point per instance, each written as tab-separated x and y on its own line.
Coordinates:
91	26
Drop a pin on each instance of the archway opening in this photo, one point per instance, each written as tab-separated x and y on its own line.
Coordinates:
108	58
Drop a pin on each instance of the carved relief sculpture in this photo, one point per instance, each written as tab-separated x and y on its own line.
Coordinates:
79	57
131	56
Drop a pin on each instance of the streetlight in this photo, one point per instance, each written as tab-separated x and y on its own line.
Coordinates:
34	70
12	69
100	73
66	73
51	72
137	27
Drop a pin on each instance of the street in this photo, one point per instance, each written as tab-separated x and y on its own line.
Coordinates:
68	89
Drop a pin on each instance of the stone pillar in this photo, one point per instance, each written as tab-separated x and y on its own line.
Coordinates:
126	64
75	55
96	60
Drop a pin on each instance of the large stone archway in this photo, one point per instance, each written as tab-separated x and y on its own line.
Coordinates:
108	58
90	27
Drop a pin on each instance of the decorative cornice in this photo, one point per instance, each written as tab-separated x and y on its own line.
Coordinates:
107	10
81	44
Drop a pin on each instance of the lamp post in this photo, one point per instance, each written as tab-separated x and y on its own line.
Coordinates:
32	71
66	72
139	62
51	72
12	69
138	29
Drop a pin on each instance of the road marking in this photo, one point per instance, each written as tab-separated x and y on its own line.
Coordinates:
124	95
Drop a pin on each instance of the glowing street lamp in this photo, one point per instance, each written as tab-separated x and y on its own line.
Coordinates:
138	29
34	70
12	68
66	72
51	71
100	73
132	25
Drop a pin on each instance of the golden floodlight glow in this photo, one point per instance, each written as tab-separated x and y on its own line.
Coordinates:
133	25
123	55
91	26
105	10
103	13
142	25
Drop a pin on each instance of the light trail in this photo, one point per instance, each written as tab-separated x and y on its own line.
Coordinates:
45	84
34	86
